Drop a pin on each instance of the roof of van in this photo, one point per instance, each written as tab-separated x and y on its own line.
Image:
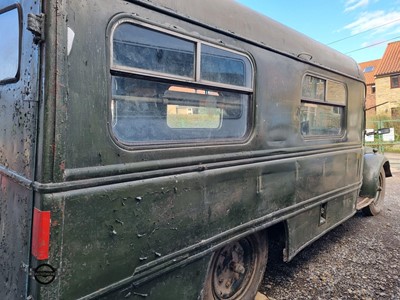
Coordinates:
232	17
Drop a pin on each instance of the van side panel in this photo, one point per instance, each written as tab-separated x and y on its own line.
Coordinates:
18	120
143	221
119	236
15	220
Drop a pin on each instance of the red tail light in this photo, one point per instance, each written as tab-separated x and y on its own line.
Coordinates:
41	234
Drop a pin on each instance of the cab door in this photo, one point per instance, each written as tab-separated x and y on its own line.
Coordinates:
19	106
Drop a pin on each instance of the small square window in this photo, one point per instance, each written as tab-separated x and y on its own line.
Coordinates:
314	88
142	48
395	81
218	65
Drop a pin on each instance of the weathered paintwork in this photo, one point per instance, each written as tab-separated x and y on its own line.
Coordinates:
143	222
373	163
18	142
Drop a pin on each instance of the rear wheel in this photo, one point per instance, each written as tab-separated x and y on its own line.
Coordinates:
237	269
376	206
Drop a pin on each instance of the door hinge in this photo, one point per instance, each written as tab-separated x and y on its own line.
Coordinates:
36	26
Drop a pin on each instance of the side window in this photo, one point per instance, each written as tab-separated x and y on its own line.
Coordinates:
167	88
322	111
144	49
395	81
218	65
9	44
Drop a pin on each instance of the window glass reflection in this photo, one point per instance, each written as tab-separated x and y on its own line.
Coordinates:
143	48
9	44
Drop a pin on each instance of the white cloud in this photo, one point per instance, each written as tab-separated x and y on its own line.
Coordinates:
377	22
354	4
372	43
395	31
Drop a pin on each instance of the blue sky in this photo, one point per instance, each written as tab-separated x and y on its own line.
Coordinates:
368	24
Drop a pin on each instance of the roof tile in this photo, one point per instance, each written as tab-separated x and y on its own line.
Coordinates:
390	63
369	69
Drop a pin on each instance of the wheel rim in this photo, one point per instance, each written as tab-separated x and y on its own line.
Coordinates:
233	269
378	196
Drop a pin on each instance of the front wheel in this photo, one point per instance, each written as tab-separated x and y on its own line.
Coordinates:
237	269
376	206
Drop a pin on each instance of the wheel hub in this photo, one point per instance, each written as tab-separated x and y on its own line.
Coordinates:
232	269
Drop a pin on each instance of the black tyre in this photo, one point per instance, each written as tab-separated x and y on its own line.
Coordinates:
376	206
237	269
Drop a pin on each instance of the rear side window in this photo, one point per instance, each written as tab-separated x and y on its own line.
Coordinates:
144	49
323	107
168	88
9	44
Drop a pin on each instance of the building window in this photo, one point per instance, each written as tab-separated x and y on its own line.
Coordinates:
373	89
168	88
368	69
9	44
322	108
395	81
396	112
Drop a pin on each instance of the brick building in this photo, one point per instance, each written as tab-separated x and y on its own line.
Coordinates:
369	68
383	83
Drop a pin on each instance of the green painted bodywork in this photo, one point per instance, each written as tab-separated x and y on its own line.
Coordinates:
19	110
143	222
373	163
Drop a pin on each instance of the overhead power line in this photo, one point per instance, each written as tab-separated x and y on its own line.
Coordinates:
373	28
373	45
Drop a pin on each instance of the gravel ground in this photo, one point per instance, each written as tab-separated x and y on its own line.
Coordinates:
359	259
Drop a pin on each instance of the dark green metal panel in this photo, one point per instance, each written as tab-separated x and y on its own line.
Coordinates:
125	235
129	222
307	227
373	163
15	219
19	101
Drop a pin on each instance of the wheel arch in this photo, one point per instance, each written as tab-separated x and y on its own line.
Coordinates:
373	163
278	239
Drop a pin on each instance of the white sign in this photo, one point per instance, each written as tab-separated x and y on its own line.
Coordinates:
388	137
369	138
